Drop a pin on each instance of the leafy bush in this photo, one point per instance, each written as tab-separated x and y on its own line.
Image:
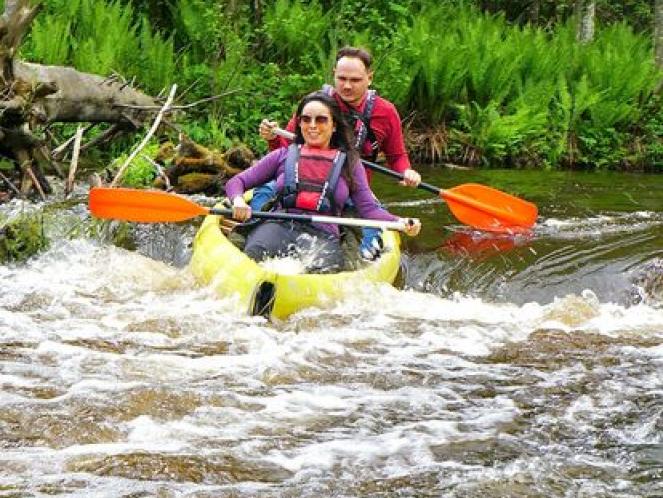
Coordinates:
487	90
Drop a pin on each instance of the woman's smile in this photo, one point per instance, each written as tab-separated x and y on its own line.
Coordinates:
316	124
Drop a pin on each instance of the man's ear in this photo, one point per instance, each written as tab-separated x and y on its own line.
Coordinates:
370	77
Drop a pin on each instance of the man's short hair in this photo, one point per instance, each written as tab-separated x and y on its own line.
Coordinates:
359	53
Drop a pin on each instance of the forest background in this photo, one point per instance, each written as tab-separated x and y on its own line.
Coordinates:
479	83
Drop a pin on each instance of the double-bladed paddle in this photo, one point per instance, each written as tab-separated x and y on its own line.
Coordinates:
155	206
476	205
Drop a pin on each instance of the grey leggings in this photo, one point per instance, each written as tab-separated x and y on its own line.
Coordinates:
274	238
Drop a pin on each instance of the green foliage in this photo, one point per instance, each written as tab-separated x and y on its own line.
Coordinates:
101	37
552	12
505	84
510	91
155	56
51	39
140	172
197	26
294	31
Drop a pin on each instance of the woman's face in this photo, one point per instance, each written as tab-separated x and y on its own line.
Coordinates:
316	124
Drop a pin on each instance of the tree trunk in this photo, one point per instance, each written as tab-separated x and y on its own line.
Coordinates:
658	32
533	12
33	95
82	97
585	10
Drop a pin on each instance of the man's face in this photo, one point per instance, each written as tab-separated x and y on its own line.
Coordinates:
351	79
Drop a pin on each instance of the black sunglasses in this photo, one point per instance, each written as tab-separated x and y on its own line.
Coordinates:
321	120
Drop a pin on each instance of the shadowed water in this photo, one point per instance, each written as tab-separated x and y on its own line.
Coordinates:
513	367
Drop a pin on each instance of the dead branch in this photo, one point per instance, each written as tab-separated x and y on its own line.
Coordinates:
154	127
69	186
186	106
10	184
60	150
160	171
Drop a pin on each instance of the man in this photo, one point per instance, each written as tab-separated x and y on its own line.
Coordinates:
373	116
375	121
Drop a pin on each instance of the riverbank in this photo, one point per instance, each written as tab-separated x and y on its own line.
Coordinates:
474	87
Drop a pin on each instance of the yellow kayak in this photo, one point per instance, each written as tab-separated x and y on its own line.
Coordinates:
257	290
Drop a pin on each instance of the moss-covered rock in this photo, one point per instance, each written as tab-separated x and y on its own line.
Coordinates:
22	237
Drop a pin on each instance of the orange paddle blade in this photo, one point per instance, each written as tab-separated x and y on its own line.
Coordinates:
142	206
490	209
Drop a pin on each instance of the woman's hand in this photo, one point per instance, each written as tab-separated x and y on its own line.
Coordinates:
265	129
241	210
412	226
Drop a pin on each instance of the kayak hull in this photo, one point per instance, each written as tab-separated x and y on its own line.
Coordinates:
256	290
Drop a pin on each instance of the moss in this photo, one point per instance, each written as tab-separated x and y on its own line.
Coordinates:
22	238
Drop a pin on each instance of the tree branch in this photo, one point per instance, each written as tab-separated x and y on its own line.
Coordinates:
155	125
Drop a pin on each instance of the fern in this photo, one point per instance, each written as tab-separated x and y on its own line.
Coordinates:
294	30
50	41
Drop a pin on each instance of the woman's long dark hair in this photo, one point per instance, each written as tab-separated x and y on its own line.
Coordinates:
342	138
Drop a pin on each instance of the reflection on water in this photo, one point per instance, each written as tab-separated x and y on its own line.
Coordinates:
506	367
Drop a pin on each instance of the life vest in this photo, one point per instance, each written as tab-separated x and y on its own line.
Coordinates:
361	124
310	179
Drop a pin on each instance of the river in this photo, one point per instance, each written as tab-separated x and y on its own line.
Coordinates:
503	367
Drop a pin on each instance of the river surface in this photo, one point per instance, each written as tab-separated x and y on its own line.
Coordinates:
527	366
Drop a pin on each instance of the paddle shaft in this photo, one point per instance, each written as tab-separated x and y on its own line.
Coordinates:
334	220
502	217
424	186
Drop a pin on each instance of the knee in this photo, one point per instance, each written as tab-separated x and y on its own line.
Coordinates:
256	252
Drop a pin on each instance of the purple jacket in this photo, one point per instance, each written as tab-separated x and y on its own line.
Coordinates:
273	166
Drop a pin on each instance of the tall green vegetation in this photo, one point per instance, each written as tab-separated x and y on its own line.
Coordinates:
102	37
479	82
522	95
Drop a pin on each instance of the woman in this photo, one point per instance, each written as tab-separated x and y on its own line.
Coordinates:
315	175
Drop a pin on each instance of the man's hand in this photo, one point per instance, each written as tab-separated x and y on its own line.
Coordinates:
411	178
265	129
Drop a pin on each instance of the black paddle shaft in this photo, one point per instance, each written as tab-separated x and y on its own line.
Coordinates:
387	171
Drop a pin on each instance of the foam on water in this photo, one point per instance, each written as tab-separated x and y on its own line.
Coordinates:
388	384
601	225
285	266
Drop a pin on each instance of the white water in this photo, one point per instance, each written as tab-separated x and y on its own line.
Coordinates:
120	376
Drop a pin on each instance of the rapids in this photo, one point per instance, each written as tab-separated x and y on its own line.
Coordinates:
514	367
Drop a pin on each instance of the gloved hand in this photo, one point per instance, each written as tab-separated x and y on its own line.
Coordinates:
371	244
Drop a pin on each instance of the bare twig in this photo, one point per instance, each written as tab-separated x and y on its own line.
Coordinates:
178	107
10	184
188	89
102	137
159	169
69	186
153	129
58	152
173	126
35	182
128	83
